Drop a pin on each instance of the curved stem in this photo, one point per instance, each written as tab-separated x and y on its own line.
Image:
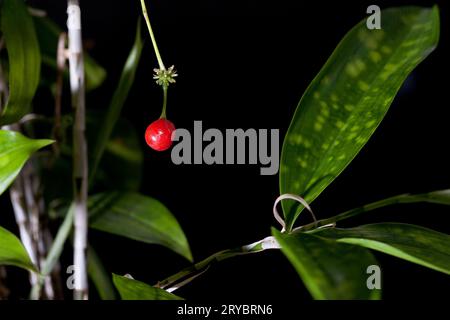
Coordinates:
185	276
152	35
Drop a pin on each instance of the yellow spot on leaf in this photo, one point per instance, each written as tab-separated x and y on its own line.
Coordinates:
348	107
375	56
339	124
386	49
363	85
370	124
318	126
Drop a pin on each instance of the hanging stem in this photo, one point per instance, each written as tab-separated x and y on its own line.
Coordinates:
152	36
80	165
163	113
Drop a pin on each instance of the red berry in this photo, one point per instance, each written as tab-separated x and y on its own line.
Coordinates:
159	134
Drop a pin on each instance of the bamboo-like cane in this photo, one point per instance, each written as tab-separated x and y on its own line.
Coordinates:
80	167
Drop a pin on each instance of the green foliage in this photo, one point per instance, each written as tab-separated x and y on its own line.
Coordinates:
349	97
130	289
335	118
24	59
440	197
412	243
137	217
12	251
15	149
330	270
117	101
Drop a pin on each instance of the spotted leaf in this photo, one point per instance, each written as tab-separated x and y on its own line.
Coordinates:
349	97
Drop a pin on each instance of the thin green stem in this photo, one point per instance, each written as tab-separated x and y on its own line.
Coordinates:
163	113
54	253
185	276
152	36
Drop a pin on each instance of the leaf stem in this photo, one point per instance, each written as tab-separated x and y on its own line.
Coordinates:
152	36
185	276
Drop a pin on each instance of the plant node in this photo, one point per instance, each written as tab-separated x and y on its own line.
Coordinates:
164	77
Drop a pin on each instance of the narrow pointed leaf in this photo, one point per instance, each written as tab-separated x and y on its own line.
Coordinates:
15	149
12	252
23	56
117	102
137	217
416	244
329	270
130	289
100	277
347	100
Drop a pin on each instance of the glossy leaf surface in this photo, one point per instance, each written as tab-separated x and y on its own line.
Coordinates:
349	97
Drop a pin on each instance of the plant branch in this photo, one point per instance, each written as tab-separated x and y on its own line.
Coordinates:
163	112
19	208
185	276
152	35
60	66
80	167
39	231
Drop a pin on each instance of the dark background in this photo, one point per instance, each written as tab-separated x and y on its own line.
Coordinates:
245	64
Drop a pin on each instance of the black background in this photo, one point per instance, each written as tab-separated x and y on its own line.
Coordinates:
245	64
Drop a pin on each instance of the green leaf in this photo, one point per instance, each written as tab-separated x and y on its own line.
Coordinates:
24	59
416	244
15	149
439	197
130	289
12	252
329	270
118	100
347	100
100	277
48	34
137	217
